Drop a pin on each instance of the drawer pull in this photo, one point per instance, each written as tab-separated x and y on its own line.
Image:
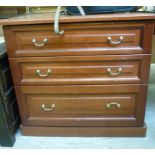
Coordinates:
48	109
120	40
39	44
113	105
38	72
114	74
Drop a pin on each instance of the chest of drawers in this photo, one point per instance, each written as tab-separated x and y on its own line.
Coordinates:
90	81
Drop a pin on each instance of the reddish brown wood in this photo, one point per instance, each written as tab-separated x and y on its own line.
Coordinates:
82	105
90	35
83	39
49	18
79	86
84	131
81	70
148	36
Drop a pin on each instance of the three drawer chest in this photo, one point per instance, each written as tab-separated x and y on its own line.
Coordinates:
90	81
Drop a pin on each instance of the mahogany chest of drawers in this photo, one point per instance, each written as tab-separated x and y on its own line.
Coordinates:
90	81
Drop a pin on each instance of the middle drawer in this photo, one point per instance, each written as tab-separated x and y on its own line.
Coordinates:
80	70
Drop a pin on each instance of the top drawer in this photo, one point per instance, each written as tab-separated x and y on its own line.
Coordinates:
78	39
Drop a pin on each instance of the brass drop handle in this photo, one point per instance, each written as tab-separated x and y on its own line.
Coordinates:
120	40
51	108
119	71
38	72
113	105
39	44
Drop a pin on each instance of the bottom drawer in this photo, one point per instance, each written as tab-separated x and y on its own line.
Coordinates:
85	105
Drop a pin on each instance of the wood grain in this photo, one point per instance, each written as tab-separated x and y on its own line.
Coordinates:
79	86
84	131
81	70
83	39
49	18
82	105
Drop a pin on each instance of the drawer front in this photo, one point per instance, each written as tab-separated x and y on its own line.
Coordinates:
48	40
81	105
83	39
67	105
80	70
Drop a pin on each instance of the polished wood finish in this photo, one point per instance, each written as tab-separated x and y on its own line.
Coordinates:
93	41
82	105
96	34
81	70
84	131
90	81
45	18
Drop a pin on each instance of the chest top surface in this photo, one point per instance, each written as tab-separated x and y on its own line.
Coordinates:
45	18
